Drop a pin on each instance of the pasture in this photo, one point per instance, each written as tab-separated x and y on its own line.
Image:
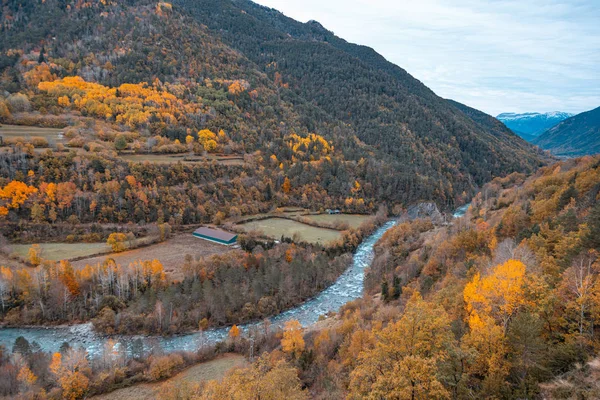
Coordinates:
277	227
10	132
184	158
63	251
288	212
171	253
210	370
352	220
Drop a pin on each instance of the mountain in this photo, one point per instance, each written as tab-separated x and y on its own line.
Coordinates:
575	136
386	107
260	77
530	125
489	124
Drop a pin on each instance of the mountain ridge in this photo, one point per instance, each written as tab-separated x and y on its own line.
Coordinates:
575	136
393	85
531	124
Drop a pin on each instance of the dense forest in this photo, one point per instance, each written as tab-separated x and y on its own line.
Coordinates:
244	90
139	298
502	304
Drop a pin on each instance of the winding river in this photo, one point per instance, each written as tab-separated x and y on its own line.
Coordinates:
348	287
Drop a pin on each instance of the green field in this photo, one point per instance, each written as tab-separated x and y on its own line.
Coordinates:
28	132
63	251
277	227
184	158
288	212
353	220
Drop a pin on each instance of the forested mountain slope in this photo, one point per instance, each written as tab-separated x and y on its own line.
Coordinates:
576	136
386	107
490	124
259	77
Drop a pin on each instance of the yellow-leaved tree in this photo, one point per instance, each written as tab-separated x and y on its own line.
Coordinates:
491	302
266	379
116	241
71	373
34	255
499	295
292	342
287	185
26	377
208	140
404	363
234	332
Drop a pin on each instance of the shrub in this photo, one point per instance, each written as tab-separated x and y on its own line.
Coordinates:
18	102
39	141
163	366
91	238
76	142
4	111
120	142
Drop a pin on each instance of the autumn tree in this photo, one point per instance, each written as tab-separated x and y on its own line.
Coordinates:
165	231
6	278
234	332
499	295
208	140
491	303
67	276
34	255
26	378
292	342
16	193
37	213
235	88
405	361
116	241
287	185
71	372
265	379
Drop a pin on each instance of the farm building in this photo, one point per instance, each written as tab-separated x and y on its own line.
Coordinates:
215	235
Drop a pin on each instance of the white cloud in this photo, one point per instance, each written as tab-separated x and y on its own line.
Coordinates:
495	55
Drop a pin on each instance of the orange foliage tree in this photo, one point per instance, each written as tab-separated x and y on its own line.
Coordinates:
292	342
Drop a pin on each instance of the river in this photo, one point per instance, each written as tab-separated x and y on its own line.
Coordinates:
461	211
348	287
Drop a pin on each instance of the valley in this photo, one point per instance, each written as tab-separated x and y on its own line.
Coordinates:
212	200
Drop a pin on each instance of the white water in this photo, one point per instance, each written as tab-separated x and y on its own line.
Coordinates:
348	287
461	211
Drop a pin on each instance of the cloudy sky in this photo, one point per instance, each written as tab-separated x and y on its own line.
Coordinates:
494	55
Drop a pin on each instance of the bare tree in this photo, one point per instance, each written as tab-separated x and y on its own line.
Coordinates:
580	279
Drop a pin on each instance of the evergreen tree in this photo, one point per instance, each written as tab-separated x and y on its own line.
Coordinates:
41	58
397	287
268	192
385	290
593	237
21	346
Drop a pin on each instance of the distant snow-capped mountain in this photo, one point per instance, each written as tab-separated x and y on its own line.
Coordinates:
573	137
533	124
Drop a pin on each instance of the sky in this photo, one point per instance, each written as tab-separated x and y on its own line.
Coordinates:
494	55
